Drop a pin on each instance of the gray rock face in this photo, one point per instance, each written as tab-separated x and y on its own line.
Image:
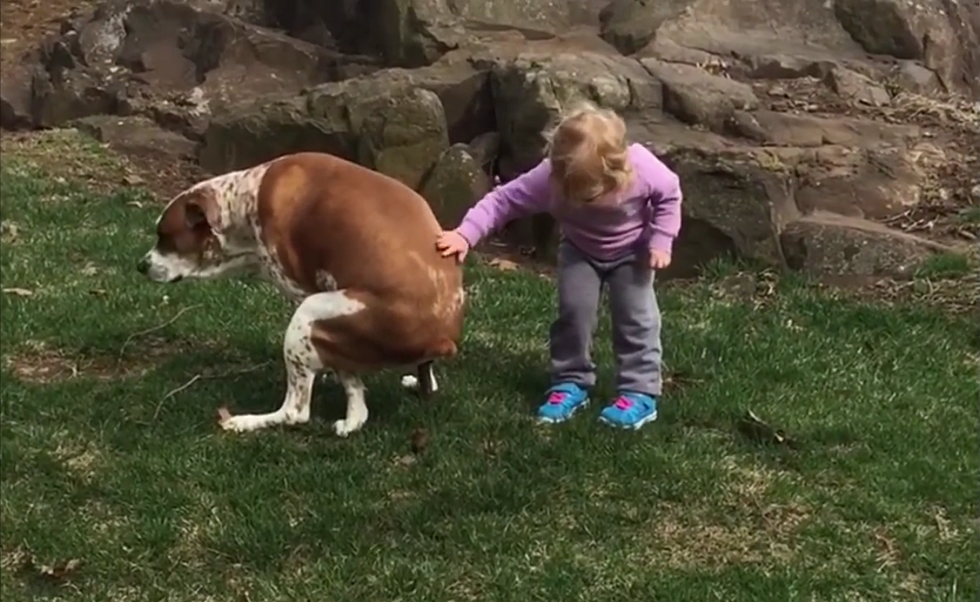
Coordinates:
793	145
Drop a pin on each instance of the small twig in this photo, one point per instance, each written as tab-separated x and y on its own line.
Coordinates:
197	377
135	335
156	412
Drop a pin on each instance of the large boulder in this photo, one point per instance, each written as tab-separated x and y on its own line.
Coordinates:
697	97
413	33
943	34
130	57
454	184
630	25
396	128
531	90
831	245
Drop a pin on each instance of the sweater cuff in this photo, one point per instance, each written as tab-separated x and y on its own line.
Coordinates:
661	242
470	233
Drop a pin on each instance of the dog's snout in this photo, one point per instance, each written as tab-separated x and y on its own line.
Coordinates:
143	266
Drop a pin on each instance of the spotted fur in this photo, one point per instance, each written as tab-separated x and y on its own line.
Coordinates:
218	227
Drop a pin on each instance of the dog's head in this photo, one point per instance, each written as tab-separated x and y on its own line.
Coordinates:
190	243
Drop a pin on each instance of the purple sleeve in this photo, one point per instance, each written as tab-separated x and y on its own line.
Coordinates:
666	215
522	196
665	201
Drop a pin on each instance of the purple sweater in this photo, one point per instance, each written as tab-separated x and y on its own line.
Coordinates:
649	213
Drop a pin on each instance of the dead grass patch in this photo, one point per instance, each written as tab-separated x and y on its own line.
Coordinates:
40	363
744	526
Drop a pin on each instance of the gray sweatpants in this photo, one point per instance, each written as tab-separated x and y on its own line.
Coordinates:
635	320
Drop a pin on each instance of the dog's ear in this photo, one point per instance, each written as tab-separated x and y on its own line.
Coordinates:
202	209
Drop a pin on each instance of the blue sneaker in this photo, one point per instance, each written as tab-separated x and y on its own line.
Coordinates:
564	399
630	411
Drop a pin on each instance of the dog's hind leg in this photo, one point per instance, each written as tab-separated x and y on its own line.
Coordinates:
424	382
303	362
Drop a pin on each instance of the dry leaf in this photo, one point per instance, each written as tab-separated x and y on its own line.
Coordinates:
10	231
406	460
20	292
420	440
53	572
132	180
505	265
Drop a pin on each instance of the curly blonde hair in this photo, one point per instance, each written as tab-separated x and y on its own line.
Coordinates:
589	155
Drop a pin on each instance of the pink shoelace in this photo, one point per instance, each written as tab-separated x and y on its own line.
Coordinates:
557	397
623	403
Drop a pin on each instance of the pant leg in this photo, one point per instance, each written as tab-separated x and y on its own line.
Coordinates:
579	285
635	326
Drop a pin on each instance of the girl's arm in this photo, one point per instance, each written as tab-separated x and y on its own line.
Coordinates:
525	195
665	200
665	214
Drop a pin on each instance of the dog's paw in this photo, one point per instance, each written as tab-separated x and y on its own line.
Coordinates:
410	381
236	424
344	428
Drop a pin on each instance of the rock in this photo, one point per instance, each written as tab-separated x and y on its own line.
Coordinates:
630	25
784	129
246	135
138	136
454	184
531	90
944	35
913	77
856	87
782	66
697	97
400	134
826	244
733	204
15	98
393	127
485	149
463	90
876	184
64	95
133	56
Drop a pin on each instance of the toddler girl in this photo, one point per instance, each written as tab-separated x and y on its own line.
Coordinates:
619	210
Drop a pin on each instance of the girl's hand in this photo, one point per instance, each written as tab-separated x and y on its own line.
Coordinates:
450	242
659	259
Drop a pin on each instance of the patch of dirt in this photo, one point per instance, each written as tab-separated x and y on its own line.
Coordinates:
41	363
24	23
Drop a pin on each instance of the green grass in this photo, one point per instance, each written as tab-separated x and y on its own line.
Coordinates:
99	464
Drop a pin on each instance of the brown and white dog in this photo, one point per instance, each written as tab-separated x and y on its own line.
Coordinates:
354	248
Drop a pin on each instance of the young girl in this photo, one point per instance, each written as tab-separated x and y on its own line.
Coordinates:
619	209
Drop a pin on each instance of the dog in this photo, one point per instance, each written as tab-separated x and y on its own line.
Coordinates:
354	250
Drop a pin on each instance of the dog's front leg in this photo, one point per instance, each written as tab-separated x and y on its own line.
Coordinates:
357	412
295	409
302	365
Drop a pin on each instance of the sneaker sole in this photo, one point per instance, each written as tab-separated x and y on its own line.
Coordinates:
546	420
629	427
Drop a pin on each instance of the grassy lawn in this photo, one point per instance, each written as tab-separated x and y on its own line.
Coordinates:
111	455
